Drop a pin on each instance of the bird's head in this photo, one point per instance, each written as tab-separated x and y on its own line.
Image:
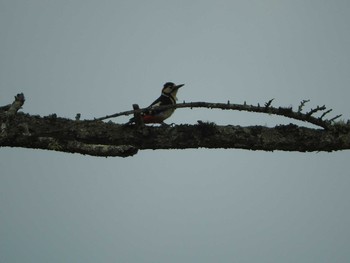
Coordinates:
170	89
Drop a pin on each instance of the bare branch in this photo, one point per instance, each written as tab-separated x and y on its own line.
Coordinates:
302	104
75	146
98	138
268	104
336	117
286	112
318	108
325	113
16	105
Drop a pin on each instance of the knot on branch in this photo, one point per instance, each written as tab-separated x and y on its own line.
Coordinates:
11	109
16	105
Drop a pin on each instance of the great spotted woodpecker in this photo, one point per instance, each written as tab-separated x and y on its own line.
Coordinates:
168	97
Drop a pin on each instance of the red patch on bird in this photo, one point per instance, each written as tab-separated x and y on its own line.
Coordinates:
151	119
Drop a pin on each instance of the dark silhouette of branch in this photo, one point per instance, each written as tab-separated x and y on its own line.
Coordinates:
97	138
268	109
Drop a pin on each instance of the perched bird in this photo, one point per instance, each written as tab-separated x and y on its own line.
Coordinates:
168	97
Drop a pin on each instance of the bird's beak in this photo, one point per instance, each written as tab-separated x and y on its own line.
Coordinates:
179	86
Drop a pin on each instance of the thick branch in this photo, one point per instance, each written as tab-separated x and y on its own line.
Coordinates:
107	139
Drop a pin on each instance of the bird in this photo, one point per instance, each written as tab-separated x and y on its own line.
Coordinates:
167	97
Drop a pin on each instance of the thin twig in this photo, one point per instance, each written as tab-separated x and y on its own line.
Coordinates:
326	112
268	104
336	117
302	104
318	108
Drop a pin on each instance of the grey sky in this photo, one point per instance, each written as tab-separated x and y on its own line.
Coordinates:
100	57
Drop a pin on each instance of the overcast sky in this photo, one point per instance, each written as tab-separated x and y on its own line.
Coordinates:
100	57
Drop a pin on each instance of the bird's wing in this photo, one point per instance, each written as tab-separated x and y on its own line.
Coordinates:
158	102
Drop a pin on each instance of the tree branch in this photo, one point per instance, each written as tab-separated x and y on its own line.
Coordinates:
108	139
97	138
286	112
12	109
